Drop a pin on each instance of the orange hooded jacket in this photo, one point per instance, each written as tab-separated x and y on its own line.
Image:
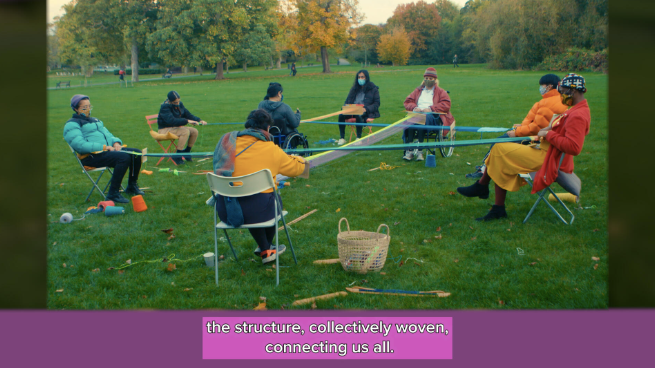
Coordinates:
541	113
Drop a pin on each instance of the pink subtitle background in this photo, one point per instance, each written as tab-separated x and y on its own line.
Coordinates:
252	346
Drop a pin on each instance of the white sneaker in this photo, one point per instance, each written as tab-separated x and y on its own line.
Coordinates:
341	141
419	157
408	155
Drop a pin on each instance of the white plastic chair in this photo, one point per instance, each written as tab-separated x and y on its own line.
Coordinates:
86	170
242	186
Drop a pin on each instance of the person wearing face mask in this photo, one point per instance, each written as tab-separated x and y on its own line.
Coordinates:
428	97
538	117
173	117
245	152
365	93
97	147
284	118
566	134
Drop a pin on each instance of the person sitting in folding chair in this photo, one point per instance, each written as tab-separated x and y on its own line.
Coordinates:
363	92
173	117
506	161
538	117
248	151
97	147
427	97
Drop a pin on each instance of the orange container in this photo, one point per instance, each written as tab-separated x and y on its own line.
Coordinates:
138	204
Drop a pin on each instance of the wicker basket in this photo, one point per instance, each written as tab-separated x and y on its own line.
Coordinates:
362	251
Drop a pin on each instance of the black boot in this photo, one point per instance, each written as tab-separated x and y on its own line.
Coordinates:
475	190
188	157
178	159
133	189
115	196
496	212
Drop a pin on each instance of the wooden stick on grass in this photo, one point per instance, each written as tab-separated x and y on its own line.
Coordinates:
320	297
298	219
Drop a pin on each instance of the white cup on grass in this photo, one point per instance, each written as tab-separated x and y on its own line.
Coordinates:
209	259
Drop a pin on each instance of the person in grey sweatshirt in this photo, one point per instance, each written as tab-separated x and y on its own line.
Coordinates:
283	117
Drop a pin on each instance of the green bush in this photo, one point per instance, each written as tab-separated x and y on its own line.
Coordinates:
576	60
142	71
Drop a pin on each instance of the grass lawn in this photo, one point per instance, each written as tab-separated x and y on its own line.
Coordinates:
477	262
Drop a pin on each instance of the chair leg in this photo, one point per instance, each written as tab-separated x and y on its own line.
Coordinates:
277	244
352	130
95	186
215	247
565	207
541	198
553	208
286	230
231	247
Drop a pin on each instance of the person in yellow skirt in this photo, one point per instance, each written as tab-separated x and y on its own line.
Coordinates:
506	160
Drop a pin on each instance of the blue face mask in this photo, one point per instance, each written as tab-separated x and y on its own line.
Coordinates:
361	81
282	98
542	89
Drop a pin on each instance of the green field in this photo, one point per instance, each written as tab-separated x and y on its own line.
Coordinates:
476	262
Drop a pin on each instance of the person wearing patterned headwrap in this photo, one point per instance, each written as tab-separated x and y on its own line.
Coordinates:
566	134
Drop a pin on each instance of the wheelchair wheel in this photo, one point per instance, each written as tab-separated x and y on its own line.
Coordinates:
277	135
296	140
447	151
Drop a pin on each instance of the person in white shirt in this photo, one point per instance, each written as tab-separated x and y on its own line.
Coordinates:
428	97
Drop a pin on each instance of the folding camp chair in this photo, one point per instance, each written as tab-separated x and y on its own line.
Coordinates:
352	127
88	169
242	186
152	119
570	182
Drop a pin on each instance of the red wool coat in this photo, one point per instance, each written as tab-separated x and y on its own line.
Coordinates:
566	136
440	103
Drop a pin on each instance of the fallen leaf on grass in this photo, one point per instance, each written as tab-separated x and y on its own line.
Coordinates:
471	227
88	227
59	290
173	283
338	210
144	296
596	266
439	229
473	238
451	224
385	189
72	266
221	257
64	265
509	229
188	289
426	240
308	185
455	260
501	302
414	210
594	230
110	268
261	306
314	305
243	273
402	250
262	298
396	223
296	295
595	259
171	267
55	243
383	273
533	263
438	236
269	269
168	231
95	270
451	193
171	237
120	272
129	261
401	263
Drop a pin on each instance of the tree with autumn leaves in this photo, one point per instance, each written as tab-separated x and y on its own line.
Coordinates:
395	47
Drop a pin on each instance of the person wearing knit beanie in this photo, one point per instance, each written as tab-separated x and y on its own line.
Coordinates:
174	117
432	100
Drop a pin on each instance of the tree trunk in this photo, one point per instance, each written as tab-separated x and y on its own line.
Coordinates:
245	66
271	62
135	61
186	70
200	70
219	71
279	62
325	60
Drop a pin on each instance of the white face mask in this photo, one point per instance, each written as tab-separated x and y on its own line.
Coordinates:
543	89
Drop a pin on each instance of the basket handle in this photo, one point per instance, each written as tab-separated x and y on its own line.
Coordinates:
347	224
385	225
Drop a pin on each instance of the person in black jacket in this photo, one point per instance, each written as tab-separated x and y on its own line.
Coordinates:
173	117
283	117
363	92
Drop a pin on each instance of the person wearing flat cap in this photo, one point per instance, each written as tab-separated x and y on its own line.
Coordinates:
427	97
175	118
97	147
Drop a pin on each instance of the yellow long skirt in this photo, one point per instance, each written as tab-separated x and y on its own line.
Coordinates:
507	160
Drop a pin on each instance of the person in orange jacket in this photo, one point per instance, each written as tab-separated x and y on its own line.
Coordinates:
538	117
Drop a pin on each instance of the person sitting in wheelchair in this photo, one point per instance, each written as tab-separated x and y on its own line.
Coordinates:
285	119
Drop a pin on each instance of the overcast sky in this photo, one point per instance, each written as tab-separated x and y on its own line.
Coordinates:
375	11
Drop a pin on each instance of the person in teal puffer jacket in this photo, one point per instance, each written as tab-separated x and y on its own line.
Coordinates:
97	147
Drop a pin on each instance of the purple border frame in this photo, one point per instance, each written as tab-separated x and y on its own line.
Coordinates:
598	338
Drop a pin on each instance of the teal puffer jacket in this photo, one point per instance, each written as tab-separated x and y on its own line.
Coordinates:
88	135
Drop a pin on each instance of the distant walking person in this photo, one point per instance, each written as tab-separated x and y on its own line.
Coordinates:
455	61
121	75
293	69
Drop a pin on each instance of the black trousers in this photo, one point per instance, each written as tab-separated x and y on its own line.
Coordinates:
358	128
256	208
411	133
121	162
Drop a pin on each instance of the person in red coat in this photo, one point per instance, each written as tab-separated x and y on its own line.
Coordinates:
565	135
427	97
